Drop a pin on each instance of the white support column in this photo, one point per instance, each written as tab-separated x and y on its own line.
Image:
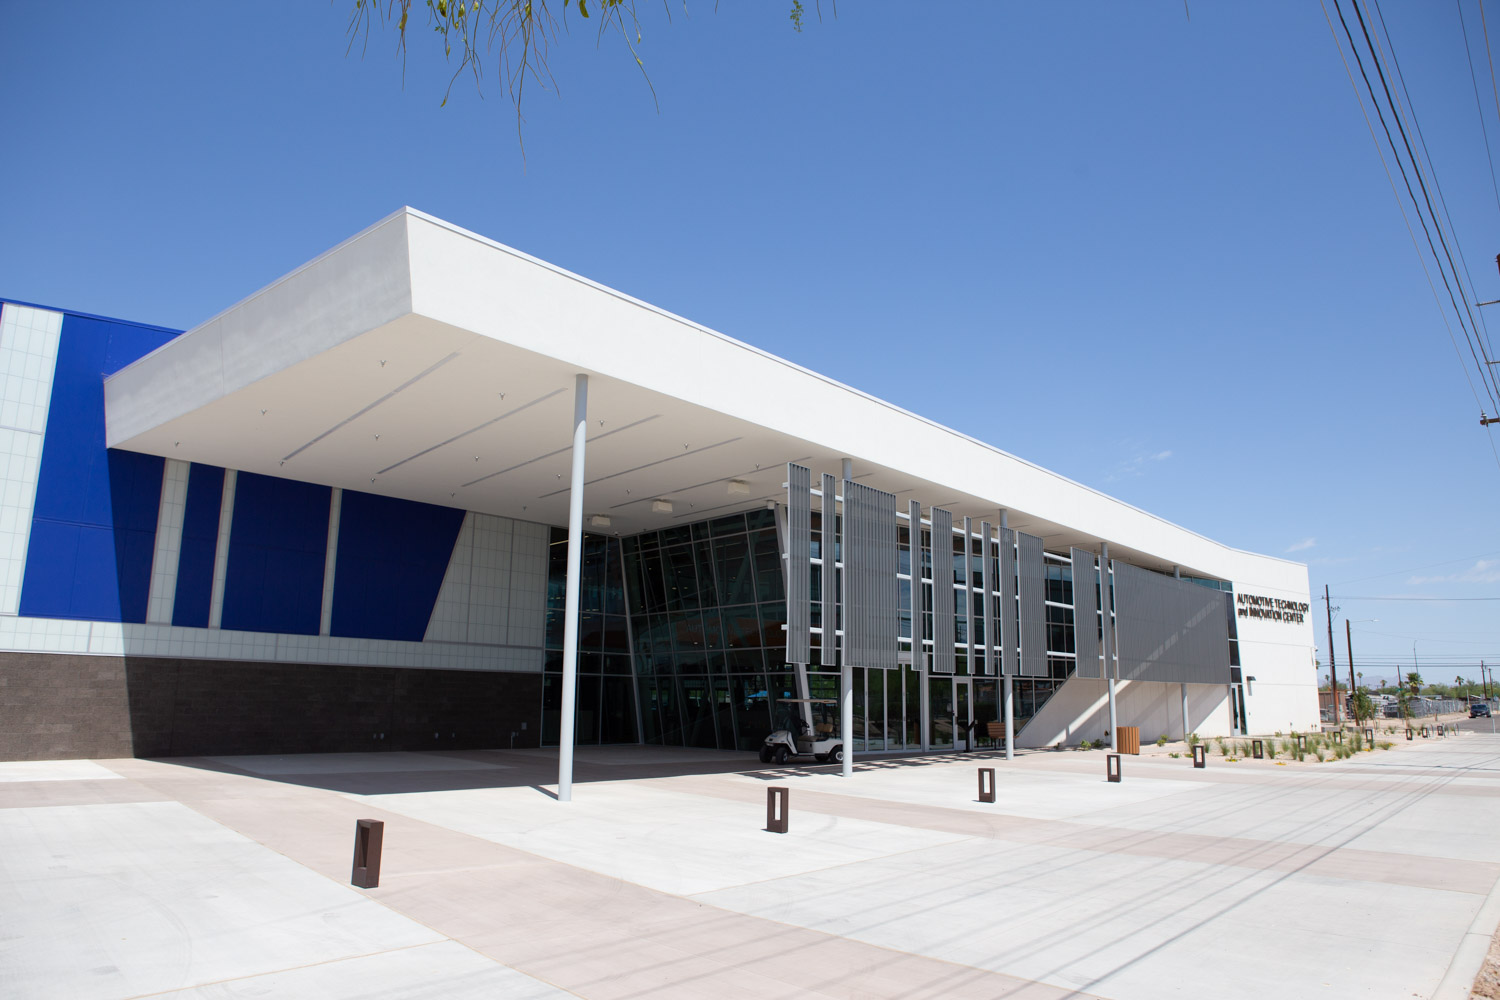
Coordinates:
846	671
1010	720
1185	729
221	553
1008	644
169	517
565	733
330	560
1111	671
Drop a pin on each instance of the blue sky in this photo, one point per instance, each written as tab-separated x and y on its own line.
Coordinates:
1155	254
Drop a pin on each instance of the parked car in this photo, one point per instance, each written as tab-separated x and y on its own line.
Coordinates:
1479	710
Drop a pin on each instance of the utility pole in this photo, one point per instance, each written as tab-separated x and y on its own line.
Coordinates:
1353	694
1333	674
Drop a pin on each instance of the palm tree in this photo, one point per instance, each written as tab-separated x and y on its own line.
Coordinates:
1414	681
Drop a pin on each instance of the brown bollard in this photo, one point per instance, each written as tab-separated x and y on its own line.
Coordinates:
986	787
1258	749
1370	738
368	837
1112	766
1408	732
1338	737
777	799
1302	742
1200	755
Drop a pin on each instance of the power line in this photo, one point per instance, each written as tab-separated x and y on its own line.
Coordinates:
1347	598
1478	105
1481	331
1400	205
1486	376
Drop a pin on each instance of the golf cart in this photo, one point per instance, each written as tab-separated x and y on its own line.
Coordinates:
793	738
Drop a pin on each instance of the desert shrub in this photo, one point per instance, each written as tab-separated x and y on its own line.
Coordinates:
1174	753
1320	753
1386	746
1161	741
1192	739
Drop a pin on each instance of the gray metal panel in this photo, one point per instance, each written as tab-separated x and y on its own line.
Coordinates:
966	596
798	563
1032	572
871	619
987	585
1009	629
1169	630
828	651
944	634
914	531
1086	614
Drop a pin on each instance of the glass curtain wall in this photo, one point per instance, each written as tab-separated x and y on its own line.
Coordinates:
707	605
606	693
688	621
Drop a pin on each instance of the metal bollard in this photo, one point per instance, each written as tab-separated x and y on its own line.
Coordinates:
1424	732
1370	738
986	787
1302	743
1338	737
1258	749
368	837
777	797
1409	733
1200	755
1112	766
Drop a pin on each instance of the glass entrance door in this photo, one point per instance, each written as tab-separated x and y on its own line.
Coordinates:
939	713
963	713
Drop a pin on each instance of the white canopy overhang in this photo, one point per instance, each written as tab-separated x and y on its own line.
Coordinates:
421	361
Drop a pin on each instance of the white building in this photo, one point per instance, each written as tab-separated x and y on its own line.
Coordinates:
335	517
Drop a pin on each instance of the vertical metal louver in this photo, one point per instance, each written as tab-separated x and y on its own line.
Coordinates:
1086	614
871	619
966	595
1032	572
914	530
987	598
944	634
1010	630
828	650
1169	630
798	563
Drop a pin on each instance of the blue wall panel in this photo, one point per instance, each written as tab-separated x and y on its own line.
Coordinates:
277	540
93	527
200	540
392	556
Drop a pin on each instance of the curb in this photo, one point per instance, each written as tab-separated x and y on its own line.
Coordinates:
1458	981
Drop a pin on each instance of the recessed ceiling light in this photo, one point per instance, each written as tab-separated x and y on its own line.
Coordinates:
600	520
661	506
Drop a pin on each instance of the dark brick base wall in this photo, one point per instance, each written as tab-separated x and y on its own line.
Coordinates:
56	705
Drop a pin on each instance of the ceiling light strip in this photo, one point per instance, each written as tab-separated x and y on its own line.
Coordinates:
349	420
732	475
559	451
638	468
463	434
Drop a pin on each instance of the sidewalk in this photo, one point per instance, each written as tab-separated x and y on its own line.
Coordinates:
229	876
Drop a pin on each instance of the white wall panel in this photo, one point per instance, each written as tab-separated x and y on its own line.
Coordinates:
28	358
170	512
495	589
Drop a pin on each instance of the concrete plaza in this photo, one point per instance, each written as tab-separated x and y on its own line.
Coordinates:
229	877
